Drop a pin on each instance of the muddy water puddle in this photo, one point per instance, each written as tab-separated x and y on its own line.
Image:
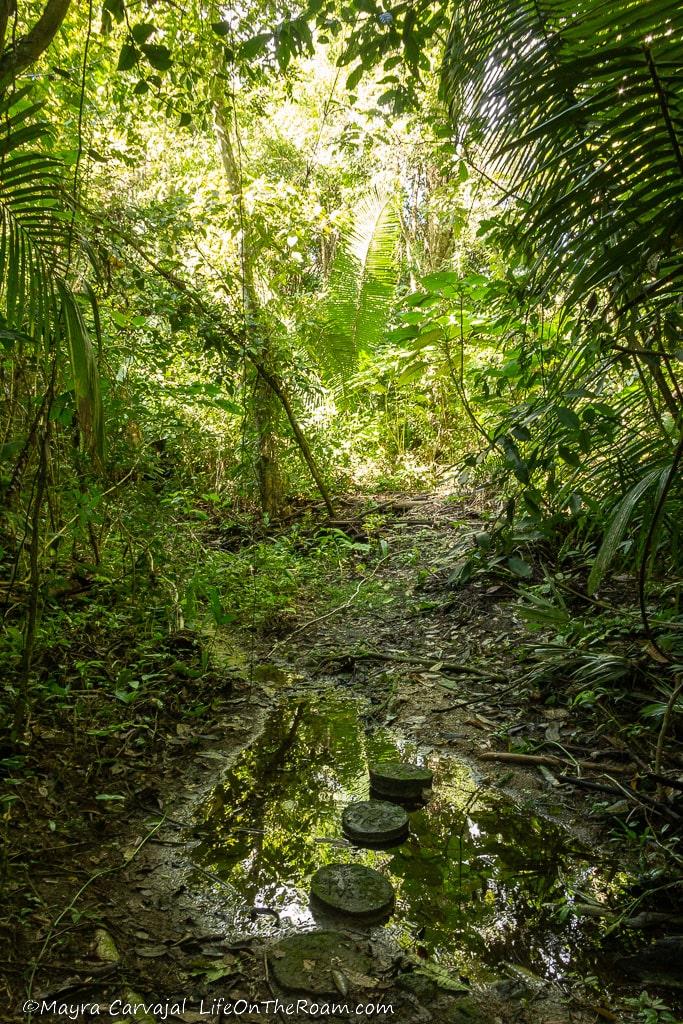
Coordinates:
480	881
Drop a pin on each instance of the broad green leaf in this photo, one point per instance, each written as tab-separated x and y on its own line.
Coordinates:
515	460
441	279
158	56
355	77
519	567
85	372
568	417
142	32
115	8
128	57
256	45
570	457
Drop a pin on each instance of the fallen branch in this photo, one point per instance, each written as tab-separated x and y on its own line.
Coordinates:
638	799
480	699
444	666
663	732
594	787
666	781
550	760
339	608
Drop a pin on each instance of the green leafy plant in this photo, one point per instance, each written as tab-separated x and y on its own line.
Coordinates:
363	280
38	243
650	1009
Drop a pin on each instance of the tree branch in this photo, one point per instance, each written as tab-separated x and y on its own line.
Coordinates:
7	8
26	50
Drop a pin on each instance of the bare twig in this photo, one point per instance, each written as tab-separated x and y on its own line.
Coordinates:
72	903
550	760
445	666
664	731
339	608
616	789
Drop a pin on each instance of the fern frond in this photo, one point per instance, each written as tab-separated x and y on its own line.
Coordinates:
36	299
363	280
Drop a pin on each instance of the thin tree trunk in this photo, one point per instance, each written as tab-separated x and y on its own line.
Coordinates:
22	704
28	48
264	409
276	386
269	393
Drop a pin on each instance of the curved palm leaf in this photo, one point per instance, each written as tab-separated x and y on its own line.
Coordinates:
578	105
363	280
36	300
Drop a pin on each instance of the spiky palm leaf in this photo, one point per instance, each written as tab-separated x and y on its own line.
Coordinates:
363	279
37	303
619	473
578	104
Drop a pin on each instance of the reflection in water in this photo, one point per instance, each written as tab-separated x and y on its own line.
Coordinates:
477	881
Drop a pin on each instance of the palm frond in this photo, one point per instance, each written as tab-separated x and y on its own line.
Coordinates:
36	237
578	106
363	279
85	372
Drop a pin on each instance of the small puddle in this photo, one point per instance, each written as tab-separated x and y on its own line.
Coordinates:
478	882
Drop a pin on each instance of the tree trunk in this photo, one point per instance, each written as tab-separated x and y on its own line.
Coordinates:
276	386
23	52
264	415
265	405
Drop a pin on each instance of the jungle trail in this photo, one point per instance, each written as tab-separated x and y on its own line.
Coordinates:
341	444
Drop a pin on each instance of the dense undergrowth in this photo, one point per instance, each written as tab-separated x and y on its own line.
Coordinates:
255	262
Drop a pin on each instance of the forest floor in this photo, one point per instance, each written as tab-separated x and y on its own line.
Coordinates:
122	908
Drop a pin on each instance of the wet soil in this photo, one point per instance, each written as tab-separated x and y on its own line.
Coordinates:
210	864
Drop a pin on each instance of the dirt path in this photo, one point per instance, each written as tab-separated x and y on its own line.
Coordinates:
140	928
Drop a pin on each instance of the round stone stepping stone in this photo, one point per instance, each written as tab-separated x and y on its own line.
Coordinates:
375	821
401	780
354	890
308	962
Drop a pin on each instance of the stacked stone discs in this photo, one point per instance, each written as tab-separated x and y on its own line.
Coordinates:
354	890
375	822
398	781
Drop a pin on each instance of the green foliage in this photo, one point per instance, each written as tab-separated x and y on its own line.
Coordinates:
265	586
650	1009
37	249
580	116
617	527
555	411
517	329
363	280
